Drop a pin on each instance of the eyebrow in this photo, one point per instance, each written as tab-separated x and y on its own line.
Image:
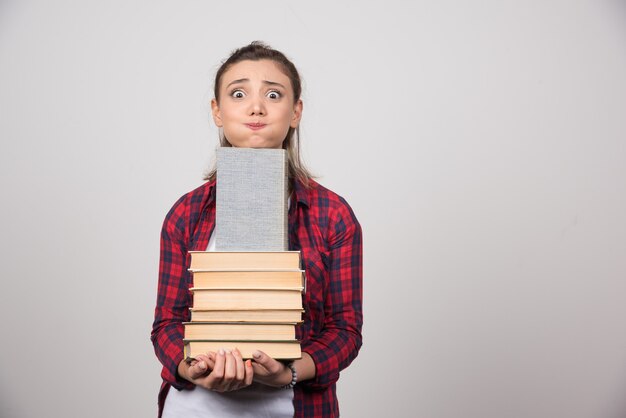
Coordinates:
269	83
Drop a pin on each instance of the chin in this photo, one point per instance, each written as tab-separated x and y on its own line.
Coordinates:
254	141
262	144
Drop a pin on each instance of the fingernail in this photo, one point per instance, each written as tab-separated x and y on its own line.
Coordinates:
228	351
256	354
249	363
202	365
221	352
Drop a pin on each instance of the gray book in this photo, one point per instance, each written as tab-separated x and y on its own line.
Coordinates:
251	207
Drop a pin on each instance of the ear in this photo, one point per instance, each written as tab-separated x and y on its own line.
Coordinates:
217	116
297	114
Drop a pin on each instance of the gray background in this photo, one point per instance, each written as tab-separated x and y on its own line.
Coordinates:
481	144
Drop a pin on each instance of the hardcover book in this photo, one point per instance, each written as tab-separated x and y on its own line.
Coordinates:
239	331
235	299
276	349
251	199
248	279
244	260
293	316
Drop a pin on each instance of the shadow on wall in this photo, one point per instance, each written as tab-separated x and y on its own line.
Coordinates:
620	7
618	410
7	408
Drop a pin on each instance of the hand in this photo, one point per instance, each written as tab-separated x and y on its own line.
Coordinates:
269	371
222	371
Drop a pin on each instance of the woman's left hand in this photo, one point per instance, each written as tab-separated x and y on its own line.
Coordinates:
269	371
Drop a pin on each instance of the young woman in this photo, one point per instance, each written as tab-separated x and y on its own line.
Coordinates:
257	104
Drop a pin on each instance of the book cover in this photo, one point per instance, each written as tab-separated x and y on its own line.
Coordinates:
251	199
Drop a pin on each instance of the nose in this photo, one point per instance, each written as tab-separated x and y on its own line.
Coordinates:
257	107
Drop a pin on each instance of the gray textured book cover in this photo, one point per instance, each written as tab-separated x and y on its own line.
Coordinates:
251	207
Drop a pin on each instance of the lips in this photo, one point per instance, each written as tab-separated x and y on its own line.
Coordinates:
255	126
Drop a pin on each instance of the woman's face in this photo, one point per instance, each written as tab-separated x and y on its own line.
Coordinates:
256	107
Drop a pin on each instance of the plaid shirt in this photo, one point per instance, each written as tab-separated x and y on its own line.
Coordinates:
321	225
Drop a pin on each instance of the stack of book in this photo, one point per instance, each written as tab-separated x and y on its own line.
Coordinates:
248	293
249	300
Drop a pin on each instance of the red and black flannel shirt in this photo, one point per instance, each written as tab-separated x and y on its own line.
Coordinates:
321	225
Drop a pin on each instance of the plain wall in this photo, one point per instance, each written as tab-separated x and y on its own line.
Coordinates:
481	145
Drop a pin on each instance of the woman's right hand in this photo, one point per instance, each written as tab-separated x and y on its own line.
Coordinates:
222	371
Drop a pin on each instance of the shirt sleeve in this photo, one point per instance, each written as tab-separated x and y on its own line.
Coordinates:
339	342
173	299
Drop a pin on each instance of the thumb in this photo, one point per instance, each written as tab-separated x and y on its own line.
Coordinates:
271	365
260	357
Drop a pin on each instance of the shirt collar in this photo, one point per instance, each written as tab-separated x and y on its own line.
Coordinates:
211	196
301	193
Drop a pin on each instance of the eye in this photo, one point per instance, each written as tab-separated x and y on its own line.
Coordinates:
274	94
237	94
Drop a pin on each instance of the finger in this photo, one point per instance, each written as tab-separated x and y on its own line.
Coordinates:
259	370
218	370
211	356
213	380
271	365
230	370
208	359
198	369
249	373
240	367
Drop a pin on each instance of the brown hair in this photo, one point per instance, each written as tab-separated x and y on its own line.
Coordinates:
256	51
